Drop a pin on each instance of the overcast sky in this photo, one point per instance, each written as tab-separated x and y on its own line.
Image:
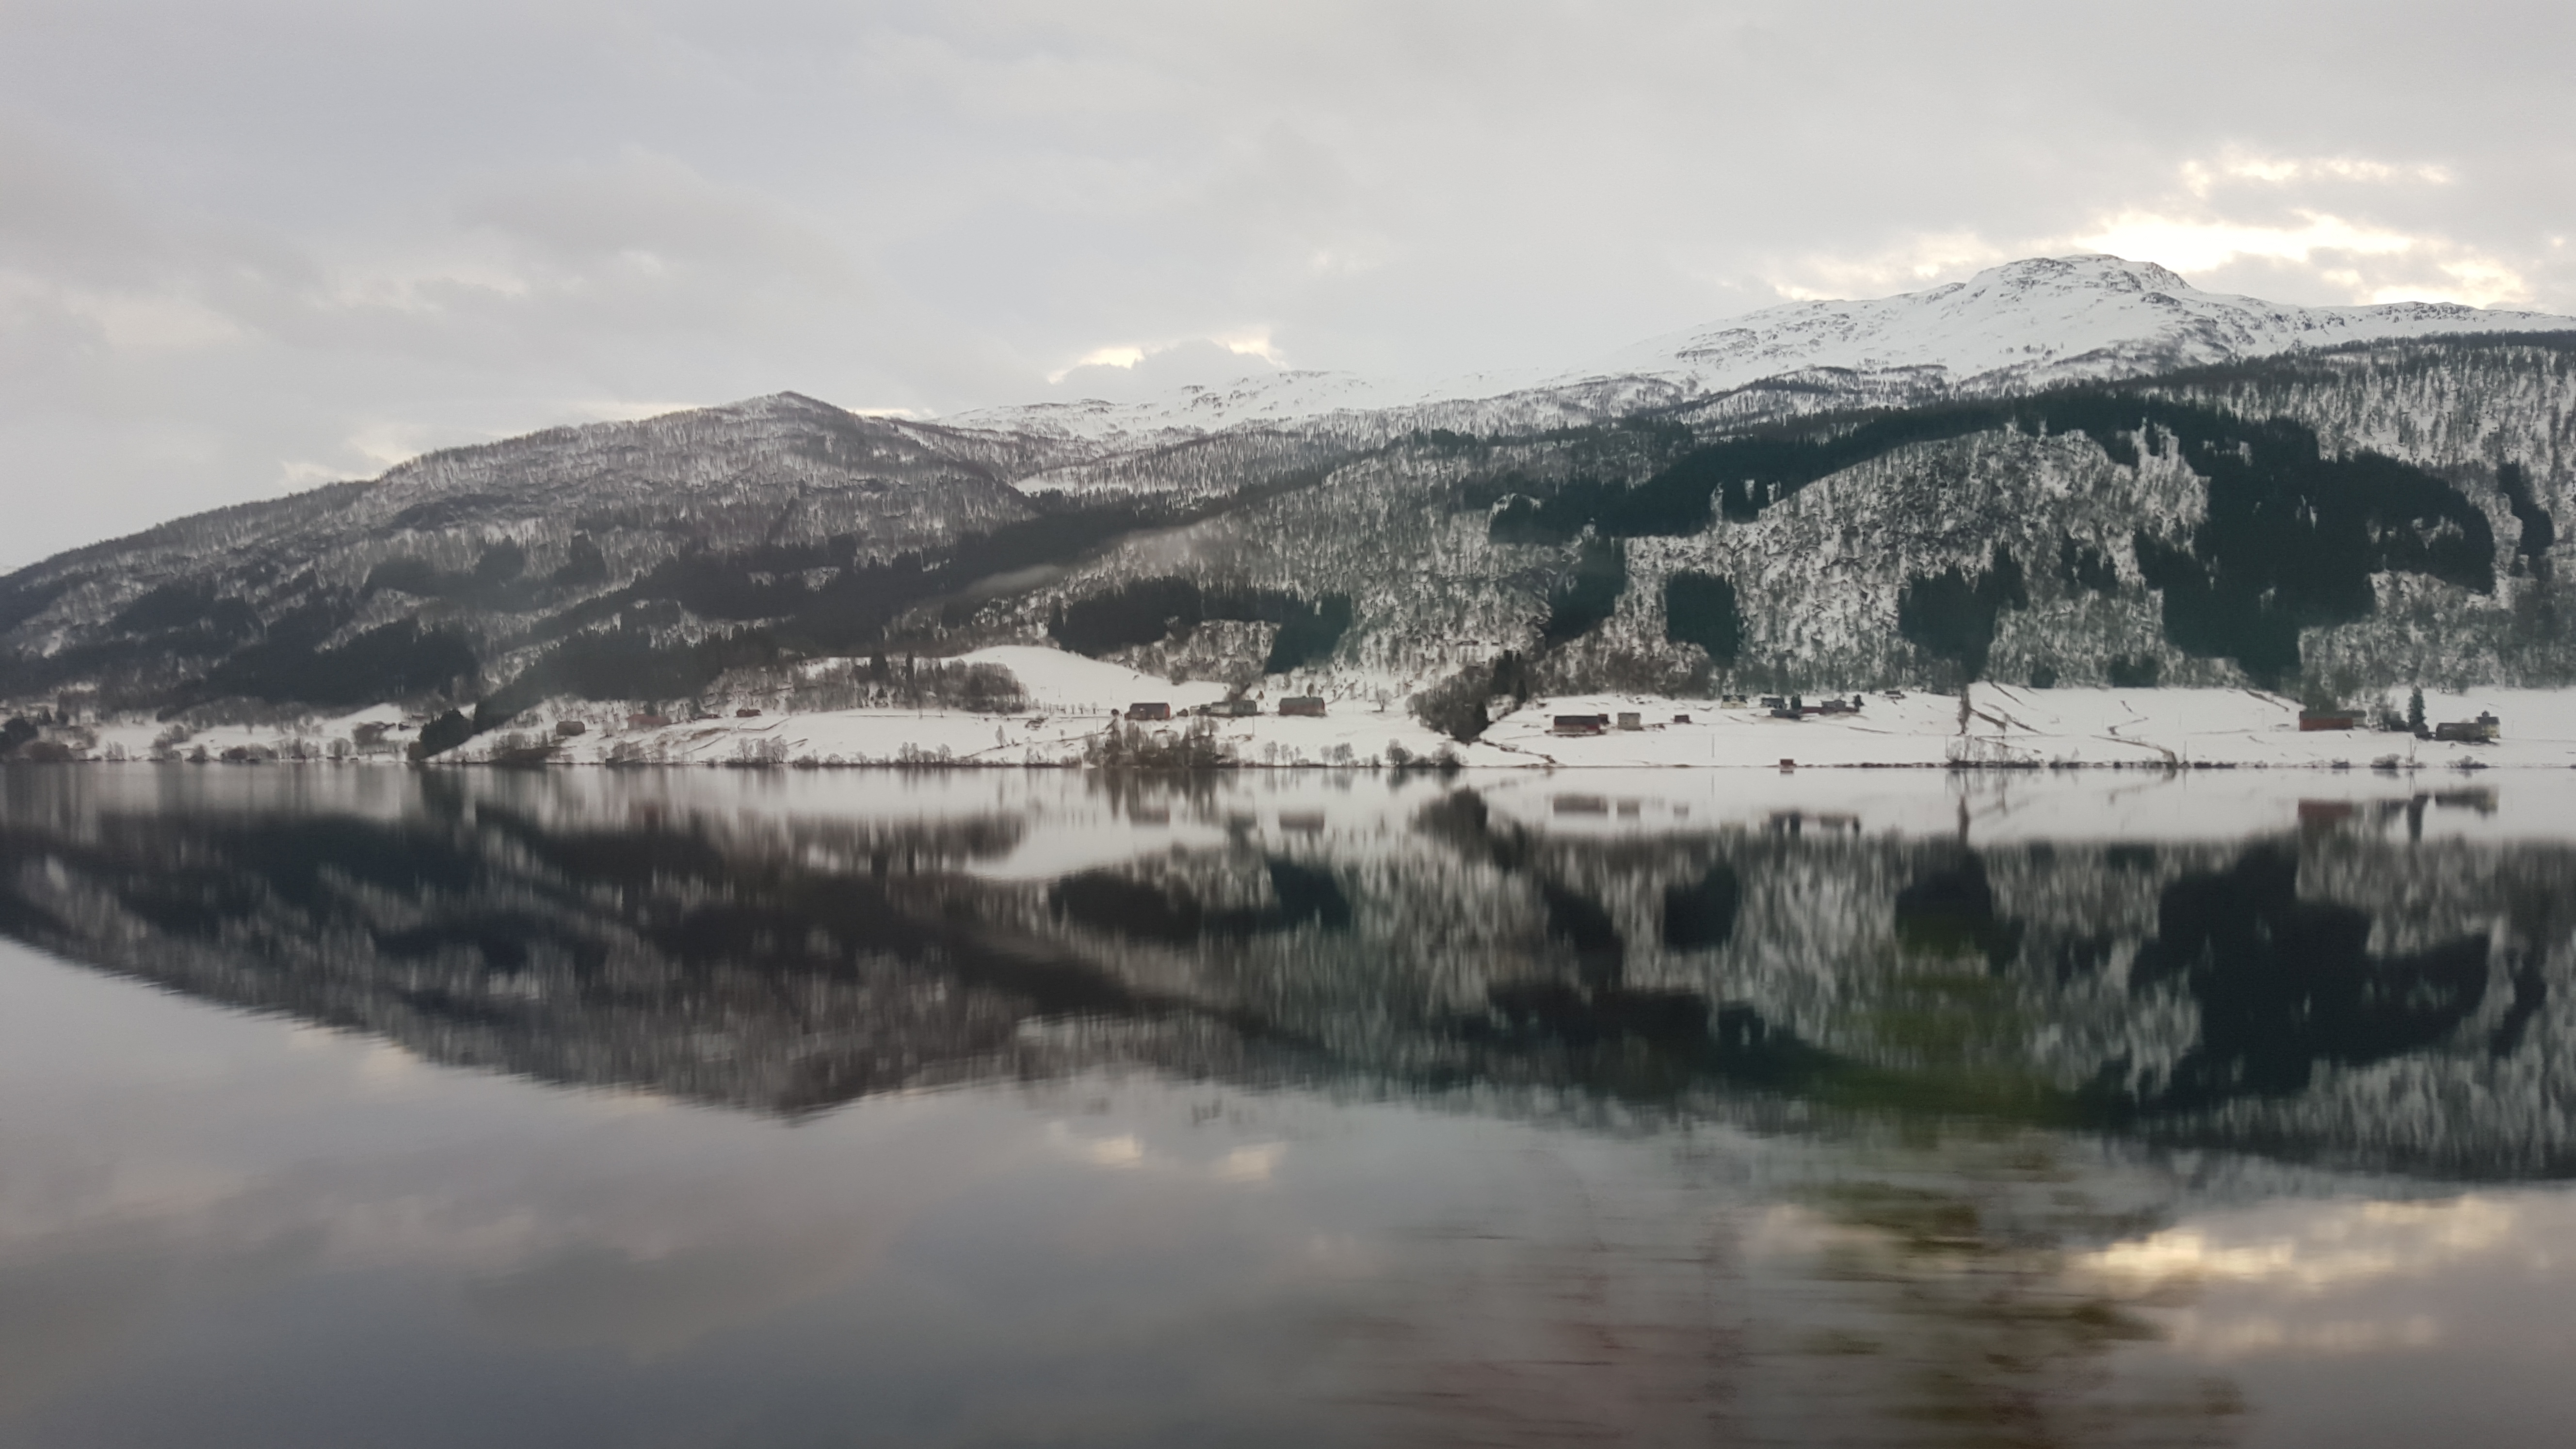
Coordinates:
249	247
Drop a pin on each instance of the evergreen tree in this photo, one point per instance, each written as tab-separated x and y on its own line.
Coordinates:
442	734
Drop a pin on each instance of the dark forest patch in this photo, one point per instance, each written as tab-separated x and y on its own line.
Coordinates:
1172	915
2292	539
2125	672
1456	706
1701	916
2285	984
1950	911
1951	614
1586	599
1309	633
1701	609
399	660
1601	955
1149	611
2539	530
497	579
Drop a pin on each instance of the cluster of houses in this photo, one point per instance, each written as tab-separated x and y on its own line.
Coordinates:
1791	707
1796	706
2486	729
1305	706
1596	724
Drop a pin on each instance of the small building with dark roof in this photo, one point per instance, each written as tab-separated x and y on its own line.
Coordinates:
2480	731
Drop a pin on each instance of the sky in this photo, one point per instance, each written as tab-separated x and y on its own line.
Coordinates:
246	247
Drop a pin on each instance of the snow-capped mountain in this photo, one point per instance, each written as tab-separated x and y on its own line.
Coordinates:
2032	322
2025	324
2019	477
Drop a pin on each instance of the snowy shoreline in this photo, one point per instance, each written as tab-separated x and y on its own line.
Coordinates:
1071	700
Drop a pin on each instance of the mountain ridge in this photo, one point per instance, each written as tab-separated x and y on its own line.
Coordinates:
1883	514
2032	322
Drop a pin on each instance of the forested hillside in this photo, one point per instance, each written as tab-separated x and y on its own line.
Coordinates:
2344	523
2334	522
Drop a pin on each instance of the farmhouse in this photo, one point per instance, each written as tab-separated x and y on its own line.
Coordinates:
2480	731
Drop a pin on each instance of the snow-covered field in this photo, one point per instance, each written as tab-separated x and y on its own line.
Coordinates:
1059	822
1072	700
2006	726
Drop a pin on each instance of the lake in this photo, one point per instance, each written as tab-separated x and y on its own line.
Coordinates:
351	1106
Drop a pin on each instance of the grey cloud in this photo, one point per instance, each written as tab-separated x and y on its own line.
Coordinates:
659	206
251	244
58	218
658	1304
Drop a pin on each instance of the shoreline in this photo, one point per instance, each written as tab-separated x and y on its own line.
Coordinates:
1221	767
1069	715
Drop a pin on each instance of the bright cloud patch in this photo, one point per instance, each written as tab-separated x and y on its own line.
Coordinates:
1916	262
2353	261
2191	245
1131	372
2201	177
2265	217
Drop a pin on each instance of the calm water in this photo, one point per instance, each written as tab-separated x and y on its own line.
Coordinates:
359	1107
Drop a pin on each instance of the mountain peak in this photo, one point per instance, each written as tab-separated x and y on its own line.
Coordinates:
783	405
2096	271
2032	322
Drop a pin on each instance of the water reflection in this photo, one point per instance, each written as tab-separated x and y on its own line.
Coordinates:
1960	1279
1904	1111
2273	991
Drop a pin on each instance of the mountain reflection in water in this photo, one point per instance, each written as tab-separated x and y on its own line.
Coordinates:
1865	1109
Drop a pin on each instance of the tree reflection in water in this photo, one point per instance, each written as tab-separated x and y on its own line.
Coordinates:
1958	1058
